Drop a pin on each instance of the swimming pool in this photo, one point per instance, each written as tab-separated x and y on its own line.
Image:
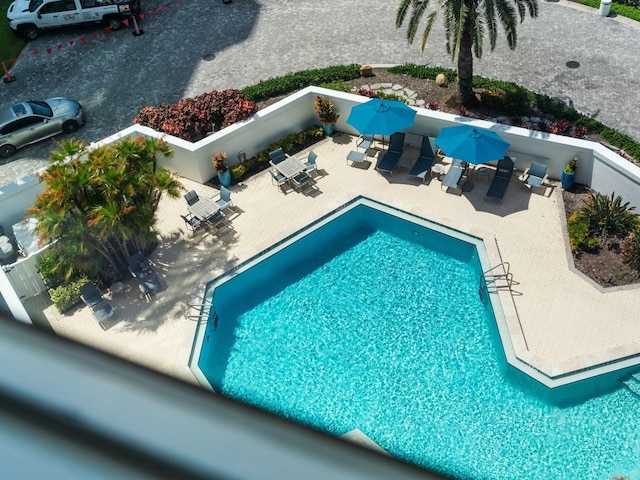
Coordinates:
374	322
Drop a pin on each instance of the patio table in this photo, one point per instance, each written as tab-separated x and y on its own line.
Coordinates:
290	167
204	208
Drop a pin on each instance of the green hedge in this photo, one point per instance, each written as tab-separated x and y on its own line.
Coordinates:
424	71
291	143
274	87
622	10
579	238
66	296
515	94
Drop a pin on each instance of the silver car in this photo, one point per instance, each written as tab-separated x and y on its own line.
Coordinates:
29	122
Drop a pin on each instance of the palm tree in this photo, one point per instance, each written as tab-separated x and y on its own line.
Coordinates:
99	205
465	23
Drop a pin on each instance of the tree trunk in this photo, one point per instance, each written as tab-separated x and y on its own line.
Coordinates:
465	69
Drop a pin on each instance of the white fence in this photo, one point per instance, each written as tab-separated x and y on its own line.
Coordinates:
25	276
599	167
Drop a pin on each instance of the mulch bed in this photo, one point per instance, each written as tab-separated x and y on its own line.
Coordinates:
605	266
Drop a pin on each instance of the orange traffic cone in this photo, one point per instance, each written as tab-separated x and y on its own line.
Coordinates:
136	31
7	76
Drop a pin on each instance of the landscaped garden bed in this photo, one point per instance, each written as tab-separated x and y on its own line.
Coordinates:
611	261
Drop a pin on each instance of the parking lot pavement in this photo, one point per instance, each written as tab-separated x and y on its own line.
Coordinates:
115	75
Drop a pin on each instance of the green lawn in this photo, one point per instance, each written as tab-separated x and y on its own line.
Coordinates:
10	44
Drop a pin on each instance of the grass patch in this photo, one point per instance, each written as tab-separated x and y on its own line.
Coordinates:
10	44
623	10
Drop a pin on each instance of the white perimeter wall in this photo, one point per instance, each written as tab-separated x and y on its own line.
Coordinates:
599	167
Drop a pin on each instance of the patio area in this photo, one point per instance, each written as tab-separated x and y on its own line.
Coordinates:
564	319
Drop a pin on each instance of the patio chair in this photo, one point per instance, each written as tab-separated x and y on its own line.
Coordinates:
365	142
425	160
300	180
224	201
90	295
277	178
277	156
392	156
356	157
191	197
454	175
501	179
535	175
103	313
216	221
191	222
310	165
149	286
139	266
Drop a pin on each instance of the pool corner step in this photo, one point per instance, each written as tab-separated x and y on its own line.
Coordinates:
632	382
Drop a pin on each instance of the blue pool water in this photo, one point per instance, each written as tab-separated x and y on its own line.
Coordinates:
373	322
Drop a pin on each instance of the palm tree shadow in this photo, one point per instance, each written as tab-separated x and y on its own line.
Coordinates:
181	259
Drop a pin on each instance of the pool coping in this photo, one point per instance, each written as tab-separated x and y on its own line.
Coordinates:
514	342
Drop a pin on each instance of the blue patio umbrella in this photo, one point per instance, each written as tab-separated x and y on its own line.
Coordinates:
471	144
381	117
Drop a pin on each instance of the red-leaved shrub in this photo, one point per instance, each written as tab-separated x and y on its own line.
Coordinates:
192	118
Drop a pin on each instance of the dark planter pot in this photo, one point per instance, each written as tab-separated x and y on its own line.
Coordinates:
567	180
329	128
225	178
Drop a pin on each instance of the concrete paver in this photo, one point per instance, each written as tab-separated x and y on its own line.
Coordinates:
563	317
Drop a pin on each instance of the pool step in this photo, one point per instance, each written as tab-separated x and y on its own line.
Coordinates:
632	382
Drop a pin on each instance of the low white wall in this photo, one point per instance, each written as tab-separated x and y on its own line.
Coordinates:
613	174
193	160
15	198
599	167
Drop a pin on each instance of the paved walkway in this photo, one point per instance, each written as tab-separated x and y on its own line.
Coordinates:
115	75
560	332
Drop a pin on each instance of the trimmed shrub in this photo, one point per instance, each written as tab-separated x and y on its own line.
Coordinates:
338	85
579	238
631	250
630	147
291	143
505	96
67	296
274	87
239	170
424	71
624	8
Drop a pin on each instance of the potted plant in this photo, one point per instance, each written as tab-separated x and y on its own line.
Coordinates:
569	173
326	113
224	175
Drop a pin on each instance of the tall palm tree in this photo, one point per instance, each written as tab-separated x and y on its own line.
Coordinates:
465	23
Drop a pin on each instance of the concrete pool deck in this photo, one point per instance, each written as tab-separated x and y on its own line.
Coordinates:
566	322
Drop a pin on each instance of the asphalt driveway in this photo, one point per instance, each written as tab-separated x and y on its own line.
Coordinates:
115	75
